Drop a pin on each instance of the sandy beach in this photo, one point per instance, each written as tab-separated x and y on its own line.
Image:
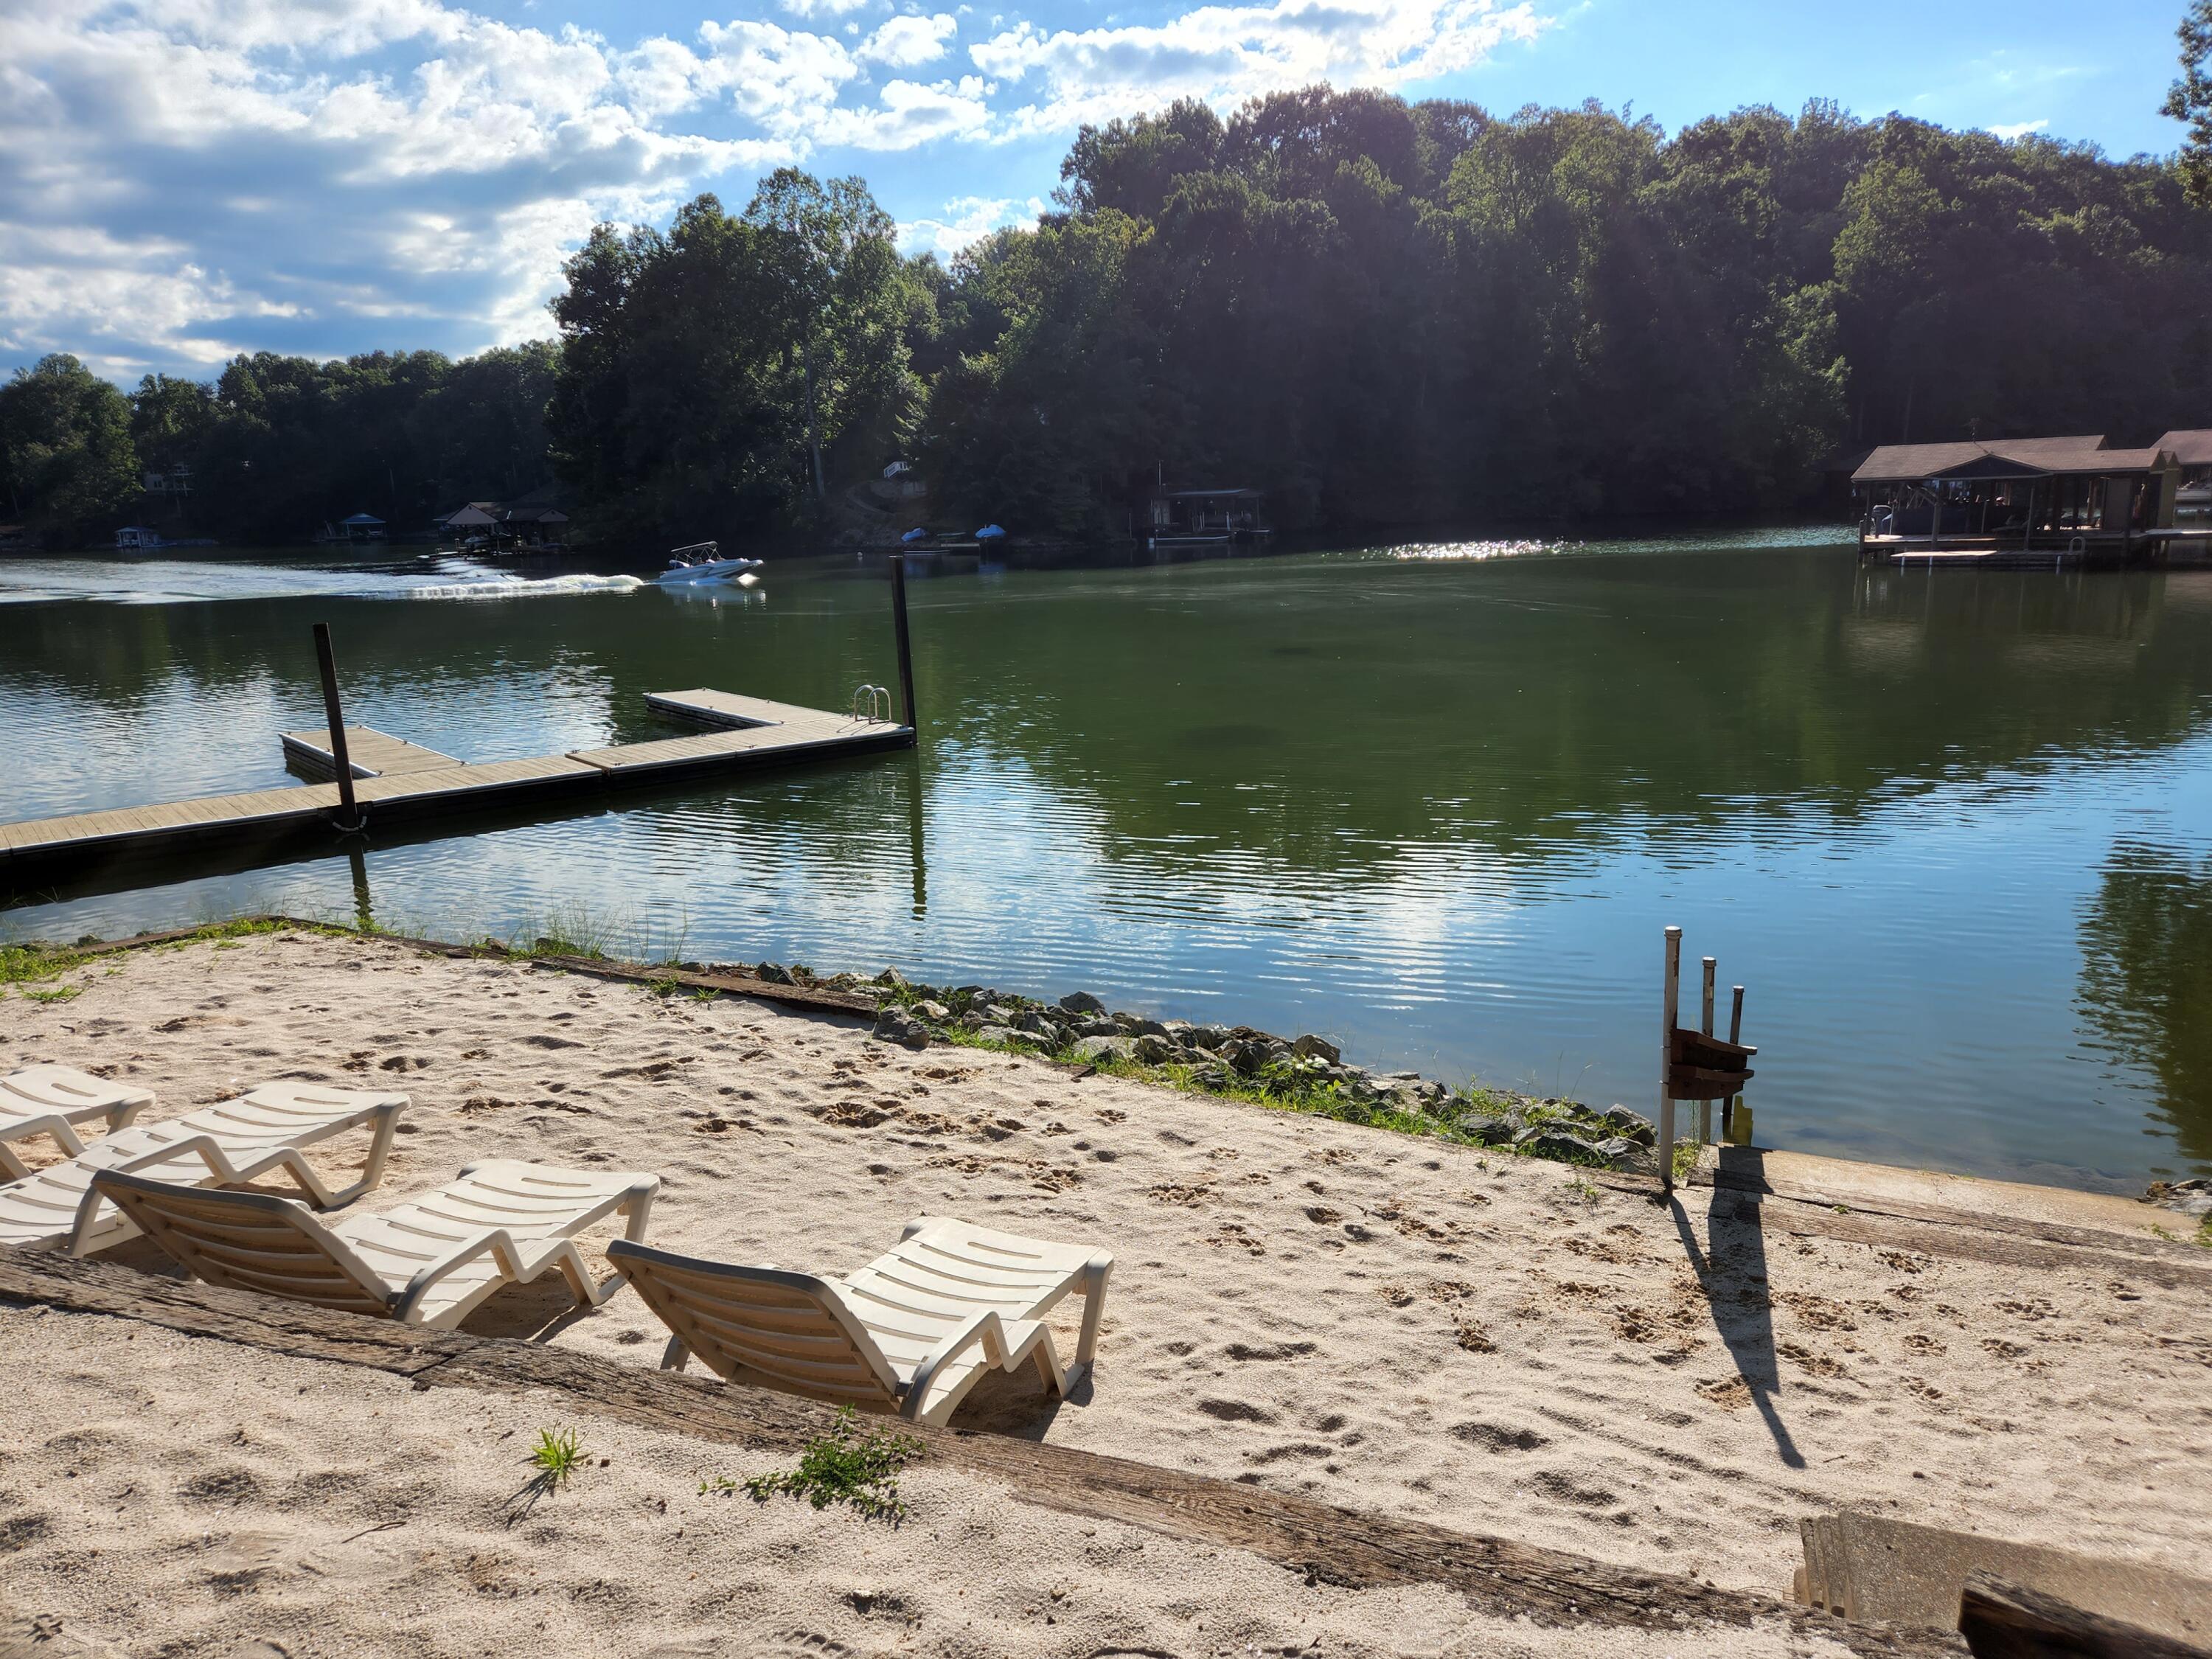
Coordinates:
1484	1342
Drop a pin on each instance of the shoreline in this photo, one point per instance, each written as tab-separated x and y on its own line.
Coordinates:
1431	1333
1302	1073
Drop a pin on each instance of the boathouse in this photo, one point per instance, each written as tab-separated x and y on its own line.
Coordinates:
2061	498
2192	454
1197	516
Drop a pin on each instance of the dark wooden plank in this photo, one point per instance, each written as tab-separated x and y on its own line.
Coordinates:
177	1304
2010	1621
1323	1541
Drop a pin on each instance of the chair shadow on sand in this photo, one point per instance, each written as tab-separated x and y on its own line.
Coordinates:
1732	1279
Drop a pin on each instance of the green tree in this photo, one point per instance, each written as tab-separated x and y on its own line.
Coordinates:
65	451
2189	101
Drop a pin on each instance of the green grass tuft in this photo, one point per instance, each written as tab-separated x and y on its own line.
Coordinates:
845	1466
558	1455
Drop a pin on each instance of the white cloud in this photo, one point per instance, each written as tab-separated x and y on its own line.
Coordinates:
908	113
969	220
2018	129
906	42
1224	53
180	179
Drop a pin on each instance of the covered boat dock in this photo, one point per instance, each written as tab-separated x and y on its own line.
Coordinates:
2031	501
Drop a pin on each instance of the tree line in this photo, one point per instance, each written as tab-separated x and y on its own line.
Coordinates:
1381	312
275	446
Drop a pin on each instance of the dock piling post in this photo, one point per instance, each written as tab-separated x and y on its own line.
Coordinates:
339	759
1705	1106
905	648
1669	1000
1735	1034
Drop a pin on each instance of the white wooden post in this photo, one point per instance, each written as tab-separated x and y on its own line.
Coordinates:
1705	1106
1666	1059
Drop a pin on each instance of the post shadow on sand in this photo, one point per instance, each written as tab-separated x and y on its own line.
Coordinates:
1737	1261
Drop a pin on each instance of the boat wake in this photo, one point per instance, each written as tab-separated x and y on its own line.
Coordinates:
493	586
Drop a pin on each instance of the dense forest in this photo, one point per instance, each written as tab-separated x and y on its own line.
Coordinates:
1382	313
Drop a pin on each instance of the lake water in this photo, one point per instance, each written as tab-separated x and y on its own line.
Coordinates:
1954	831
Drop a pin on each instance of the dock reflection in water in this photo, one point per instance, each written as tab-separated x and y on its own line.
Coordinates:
1953	827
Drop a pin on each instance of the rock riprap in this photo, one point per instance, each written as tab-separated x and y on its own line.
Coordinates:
1305	1073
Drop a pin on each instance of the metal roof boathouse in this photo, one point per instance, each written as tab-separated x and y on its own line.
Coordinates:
2035	501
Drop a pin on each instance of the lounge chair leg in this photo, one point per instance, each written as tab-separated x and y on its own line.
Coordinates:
1095	1271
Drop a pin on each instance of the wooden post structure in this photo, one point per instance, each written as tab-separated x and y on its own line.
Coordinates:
1735	1034
1670	1000
1705	1106
339	759
905	648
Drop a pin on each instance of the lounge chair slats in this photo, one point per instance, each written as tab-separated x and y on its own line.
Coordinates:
230	1143
55	1102
911	1333
430	1261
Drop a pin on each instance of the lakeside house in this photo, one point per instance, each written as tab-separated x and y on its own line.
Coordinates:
2067	498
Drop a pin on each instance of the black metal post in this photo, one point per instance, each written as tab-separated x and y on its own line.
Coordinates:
337	717
905	648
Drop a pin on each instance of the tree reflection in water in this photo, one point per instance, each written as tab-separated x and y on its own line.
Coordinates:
2146	981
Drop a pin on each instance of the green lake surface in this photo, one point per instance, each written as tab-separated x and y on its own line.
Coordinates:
1953	831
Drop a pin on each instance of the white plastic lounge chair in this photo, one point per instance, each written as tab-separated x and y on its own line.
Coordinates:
908	1335
52	1100
430	1261
228	1143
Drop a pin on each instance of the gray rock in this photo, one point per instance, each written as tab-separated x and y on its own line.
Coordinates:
1311	1046
1151	1048
1210	1076
1542	1141
1034	1022
772	974
1149	1028
998	1013
1082	1002
1209	1036
1092	1027
893	977
1005	1034
897	1025
1092	1049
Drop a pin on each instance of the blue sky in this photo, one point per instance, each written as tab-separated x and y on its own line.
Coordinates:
183	179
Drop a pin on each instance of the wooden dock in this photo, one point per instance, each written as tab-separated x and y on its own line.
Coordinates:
374	753
398	783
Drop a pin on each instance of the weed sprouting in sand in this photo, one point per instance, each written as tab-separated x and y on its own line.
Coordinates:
845	1466
558	1455
60	993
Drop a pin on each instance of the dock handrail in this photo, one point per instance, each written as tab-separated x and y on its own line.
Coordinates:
877	700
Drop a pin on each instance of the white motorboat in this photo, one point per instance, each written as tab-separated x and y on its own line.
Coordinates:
701	562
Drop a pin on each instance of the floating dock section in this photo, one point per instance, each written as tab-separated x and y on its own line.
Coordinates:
397	782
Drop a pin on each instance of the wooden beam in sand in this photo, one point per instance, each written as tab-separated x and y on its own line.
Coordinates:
1324	1542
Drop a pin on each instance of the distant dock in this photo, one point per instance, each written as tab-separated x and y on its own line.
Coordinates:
397	783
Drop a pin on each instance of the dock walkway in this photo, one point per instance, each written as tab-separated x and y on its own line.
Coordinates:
398	783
